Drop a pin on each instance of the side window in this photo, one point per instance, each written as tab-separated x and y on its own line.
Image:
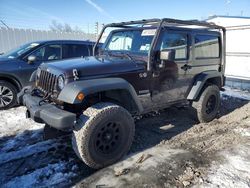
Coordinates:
48	53
206	46
175	41
75	50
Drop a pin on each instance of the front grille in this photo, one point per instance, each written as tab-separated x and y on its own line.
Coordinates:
47	82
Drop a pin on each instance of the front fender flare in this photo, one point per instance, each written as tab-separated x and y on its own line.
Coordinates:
87	87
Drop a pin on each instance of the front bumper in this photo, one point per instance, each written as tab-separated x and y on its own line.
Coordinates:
46	112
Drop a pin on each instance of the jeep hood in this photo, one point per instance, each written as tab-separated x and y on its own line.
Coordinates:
93	66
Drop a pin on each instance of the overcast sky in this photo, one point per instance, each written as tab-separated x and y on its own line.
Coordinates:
38	14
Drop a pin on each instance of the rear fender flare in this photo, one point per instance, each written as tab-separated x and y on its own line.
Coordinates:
200	80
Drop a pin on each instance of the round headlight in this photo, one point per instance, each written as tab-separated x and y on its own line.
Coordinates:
60	82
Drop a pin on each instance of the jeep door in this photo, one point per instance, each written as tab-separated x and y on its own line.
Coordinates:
172	81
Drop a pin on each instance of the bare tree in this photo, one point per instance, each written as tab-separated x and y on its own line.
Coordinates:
63	27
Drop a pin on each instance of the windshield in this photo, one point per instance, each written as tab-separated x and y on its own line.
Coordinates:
20	50
135	41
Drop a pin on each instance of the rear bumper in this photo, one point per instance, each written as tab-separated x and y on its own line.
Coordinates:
47	113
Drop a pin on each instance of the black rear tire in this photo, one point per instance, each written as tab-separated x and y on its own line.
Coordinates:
8	95
103	135
208	104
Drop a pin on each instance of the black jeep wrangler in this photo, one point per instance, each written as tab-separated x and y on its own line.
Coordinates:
143	66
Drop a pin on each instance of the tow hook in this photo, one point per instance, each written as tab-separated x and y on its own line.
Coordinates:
27	114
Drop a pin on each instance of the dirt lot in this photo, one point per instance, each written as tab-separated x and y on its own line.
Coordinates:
170	150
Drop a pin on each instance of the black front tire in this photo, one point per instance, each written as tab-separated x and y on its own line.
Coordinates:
8	95
103	135
208	104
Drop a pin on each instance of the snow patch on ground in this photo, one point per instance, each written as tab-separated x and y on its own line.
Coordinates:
27	151
26	136
245	95
13	121
235	172
15	129
50	175
21	138
243	132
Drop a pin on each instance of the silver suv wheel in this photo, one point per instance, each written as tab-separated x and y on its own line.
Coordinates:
6	96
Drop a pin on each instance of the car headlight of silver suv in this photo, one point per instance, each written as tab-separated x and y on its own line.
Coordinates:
61	82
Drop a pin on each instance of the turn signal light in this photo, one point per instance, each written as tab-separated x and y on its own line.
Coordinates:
80	96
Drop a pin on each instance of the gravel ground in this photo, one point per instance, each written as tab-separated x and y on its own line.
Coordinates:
170	150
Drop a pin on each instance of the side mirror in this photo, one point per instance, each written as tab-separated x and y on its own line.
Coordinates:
31	59
165	56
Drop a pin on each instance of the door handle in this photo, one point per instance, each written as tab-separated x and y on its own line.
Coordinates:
186	67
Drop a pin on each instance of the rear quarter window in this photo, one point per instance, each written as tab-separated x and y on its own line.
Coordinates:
207	46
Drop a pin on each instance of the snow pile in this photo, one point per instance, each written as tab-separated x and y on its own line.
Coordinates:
14	121
16	131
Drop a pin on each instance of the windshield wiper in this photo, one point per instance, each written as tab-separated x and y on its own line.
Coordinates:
128	55
122	54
